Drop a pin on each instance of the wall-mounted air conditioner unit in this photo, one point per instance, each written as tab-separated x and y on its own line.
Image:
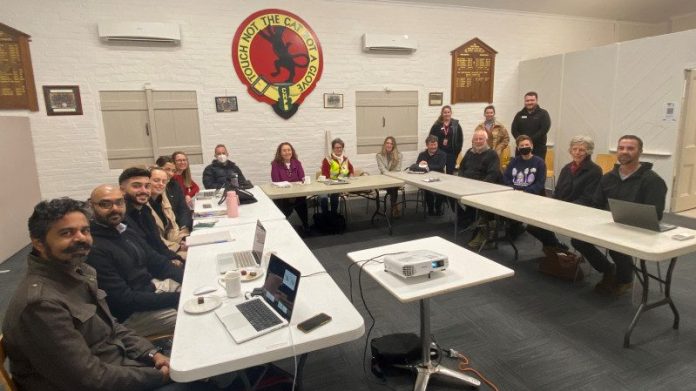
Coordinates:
139	32
388	43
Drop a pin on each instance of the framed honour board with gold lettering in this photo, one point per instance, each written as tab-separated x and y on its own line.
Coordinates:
17	89
473	71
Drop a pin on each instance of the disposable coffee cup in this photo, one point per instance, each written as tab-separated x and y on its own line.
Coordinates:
321	178
307	180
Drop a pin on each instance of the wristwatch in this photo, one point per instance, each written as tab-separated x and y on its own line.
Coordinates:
151	354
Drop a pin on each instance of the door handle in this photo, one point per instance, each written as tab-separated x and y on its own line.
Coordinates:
384	121
147	128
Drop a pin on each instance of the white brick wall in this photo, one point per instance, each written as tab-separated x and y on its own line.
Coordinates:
70	151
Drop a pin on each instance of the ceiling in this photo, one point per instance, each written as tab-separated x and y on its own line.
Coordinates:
648	11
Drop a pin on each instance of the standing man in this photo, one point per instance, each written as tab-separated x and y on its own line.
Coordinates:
58	331
221	170
634	181
533	121
433	159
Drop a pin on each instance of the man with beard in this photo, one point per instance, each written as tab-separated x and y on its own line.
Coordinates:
58	331
481	163
221	170
142	286
634	181
533	121
135	185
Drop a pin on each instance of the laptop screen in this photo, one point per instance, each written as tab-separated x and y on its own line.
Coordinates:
280	287
259	240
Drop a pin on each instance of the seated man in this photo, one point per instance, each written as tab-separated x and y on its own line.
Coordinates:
481	163
435	160
634	181
184	216
222	170
127	268
58	331
135	185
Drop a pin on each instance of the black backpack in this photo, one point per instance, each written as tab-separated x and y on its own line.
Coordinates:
330	223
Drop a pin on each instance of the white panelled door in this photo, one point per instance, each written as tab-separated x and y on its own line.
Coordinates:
684	189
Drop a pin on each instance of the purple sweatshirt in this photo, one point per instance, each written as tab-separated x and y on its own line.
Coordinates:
280	172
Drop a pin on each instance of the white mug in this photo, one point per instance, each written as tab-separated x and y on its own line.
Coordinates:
232	282
307	180
321	178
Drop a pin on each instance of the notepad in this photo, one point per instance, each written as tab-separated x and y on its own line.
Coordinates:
209	237
281	184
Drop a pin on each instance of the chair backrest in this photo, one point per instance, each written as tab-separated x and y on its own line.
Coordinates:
5	378
549	162
606	161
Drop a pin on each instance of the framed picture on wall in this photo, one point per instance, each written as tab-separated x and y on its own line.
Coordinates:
225	104
333	101
62	100
435	99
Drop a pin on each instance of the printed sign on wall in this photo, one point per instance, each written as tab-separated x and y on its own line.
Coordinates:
278	57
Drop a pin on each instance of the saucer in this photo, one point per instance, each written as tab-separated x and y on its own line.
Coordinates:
248	276
210	303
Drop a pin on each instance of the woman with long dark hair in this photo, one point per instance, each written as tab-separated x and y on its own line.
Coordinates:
449	137
285	167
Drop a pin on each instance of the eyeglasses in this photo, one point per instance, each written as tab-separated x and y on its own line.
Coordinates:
108	204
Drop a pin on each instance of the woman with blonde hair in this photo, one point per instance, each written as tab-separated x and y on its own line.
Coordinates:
183	176
390	159
171	234
498	136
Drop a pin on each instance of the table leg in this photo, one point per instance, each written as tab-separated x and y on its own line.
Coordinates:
644	279
300	370
426	368
384	213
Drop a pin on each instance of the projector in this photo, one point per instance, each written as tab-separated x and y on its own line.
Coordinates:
415	263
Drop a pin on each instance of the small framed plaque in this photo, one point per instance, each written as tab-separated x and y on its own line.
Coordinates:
333	101
62	100
225	104
435	99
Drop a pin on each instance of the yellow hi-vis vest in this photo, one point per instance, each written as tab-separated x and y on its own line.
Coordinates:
337	169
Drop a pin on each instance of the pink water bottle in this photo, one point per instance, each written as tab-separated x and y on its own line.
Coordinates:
232	204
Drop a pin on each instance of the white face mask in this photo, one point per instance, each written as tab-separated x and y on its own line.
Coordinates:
222	158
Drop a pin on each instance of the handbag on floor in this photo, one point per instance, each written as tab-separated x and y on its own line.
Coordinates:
562	263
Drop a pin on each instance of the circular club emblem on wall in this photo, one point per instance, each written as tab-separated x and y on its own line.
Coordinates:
278	56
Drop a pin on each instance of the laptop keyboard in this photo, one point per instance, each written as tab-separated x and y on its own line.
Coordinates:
244	259
258	314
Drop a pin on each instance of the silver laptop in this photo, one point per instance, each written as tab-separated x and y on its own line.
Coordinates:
248	258
637	215
268	312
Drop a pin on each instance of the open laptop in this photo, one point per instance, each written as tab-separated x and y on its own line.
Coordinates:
637	215
247	258
268	312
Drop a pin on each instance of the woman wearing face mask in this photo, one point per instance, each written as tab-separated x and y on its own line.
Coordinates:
171	234
390	159
498	136
526	172
334	166
286	167
449	137
182	176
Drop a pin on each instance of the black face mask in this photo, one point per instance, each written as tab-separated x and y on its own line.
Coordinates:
524	150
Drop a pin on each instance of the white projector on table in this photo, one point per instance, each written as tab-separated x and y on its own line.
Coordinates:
415	263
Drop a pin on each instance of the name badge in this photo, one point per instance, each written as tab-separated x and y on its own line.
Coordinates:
524	117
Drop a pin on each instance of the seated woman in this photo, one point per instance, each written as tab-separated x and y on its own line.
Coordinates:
184	214
389	159
527	173
171	234
182	176
576	183
498	136
334	166
286	167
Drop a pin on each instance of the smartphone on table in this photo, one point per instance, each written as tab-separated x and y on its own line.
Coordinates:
314	322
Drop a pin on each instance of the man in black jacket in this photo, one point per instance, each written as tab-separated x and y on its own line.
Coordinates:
141	285
135	185
533	121
634	181
222	170
481	163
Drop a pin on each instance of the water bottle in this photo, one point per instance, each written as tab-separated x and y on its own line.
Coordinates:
232	204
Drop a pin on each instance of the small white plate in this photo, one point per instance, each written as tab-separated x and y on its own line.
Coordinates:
209	303
249	270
